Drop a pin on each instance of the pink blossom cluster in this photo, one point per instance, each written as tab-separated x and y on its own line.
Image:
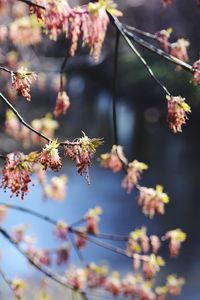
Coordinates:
196	70
177	112
89	22
22	80
134	171
62	104
81	152
92	219
49	156
113	160
16	173
175	237
152	200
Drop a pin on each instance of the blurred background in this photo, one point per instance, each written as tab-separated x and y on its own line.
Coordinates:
173	159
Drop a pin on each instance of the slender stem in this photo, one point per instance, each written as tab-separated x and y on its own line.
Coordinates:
114	90
54	222
144	33
128	41
78	252
159	52
21	119
62	73
32	3
5	279
6	70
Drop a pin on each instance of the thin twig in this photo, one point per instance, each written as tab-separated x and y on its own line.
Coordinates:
32	3
114	90
144	33
21	119
128	41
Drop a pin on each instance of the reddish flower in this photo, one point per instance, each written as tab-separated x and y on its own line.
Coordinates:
62	230
138	241
113	284
163	38
92	219
62	254
152	266
96	275
152	200
196	70
18	233
155	243
16	173
134	172
167	2
49	157
176	238
80	239
3	213
82	151
113	160
174	285
18	287
129	286
177	112
62	104
43	256
77	279
57	188
21	81
179	49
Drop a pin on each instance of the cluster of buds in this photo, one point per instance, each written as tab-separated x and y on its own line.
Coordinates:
62	104
167	2
92	219
134	171
76	278
96	275
25	31
18	233
62	230
18	286
81	238
174	285
16	172
49	157
3	213
176	237
89	22
151	266
81	152
21	80
56	189
63	254
138	241
113	160
163	37
179	49
177	112
152	200
196	70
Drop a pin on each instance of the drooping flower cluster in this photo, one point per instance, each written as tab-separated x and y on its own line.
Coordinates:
177	112
174	285
96	275
81	152
152	200
21	80
16	173
62	104
138	241
179	49
18	286
49	157
152	265
25	31
176	237
113	160
134	171
92	219
163	37
88	22
167	2
62	230
196	70
56	189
